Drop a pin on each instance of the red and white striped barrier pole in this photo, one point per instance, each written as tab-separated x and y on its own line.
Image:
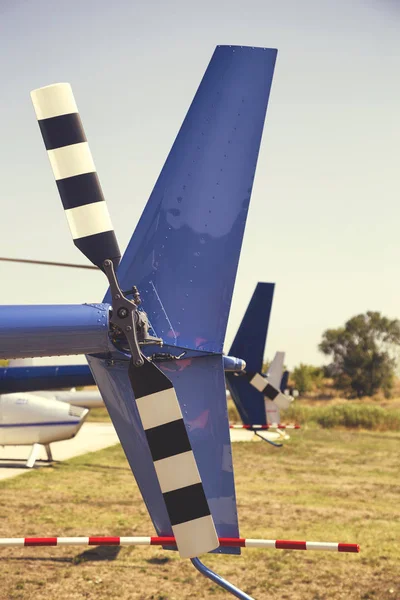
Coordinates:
170	541
253	427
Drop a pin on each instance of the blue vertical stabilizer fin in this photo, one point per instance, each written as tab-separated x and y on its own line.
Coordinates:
249	344
284	381
184	253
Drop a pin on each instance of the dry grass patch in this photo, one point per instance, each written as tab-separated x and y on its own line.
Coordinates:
322	486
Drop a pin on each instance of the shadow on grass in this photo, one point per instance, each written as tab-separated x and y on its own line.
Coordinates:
20	463
100	553
95	467
39	559
158	560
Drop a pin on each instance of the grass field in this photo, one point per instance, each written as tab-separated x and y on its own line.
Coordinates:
324	485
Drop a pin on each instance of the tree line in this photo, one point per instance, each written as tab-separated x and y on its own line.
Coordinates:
363	357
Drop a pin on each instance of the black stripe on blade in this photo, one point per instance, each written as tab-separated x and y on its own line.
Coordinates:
270	392
186	504
100	246
80	190
148	379
168	440
64	130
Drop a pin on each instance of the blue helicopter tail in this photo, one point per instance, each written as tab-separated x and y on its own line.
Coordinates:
249	344
183	258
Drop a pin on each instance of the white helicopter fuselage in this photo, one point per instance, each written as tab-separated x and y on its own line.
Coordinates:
27	419
83	398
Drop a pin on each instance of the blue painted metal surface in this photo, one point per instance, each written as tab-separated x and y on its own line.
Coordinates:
31	379
231	363
248	401
200	387
183	257
53	330
249	344
229	587
184	253
284	381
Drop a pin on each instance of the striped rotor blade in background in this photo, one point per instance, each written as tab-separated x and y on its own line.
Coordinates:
174	461
262	385
75	173
269	391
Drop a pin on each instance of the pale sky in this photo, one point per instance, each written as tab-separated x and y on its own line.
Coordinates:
324	216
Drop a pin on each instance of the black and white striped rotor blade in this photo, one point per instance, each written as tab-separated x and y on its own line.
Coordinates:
269	391
75	173
174	461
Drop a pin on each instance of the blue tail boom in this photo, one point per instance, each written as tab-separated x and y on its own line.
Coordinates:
32	379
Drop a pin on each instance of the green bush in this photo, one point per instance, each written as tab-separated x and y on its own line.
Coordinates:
307	378
363	354
349	415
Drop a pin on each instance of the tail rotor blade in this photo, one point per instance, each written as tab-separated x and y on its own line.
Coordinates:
269	391
158	406
174	461
75	173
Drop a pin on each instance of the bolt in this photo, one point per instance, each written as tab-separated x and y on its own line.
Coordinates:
117	296
107	263
123	312
129	328
139	362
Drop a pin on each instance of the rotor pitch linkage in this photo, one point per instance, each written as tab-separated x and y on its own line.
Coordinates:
92	231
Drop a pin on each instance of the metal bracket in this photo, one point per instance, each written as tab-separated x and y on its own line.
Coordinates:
124	313
166	356
232	589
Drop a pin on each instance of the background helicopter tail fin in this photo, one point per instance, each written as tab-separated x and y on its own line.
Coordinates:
275	370
284	381
249	344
